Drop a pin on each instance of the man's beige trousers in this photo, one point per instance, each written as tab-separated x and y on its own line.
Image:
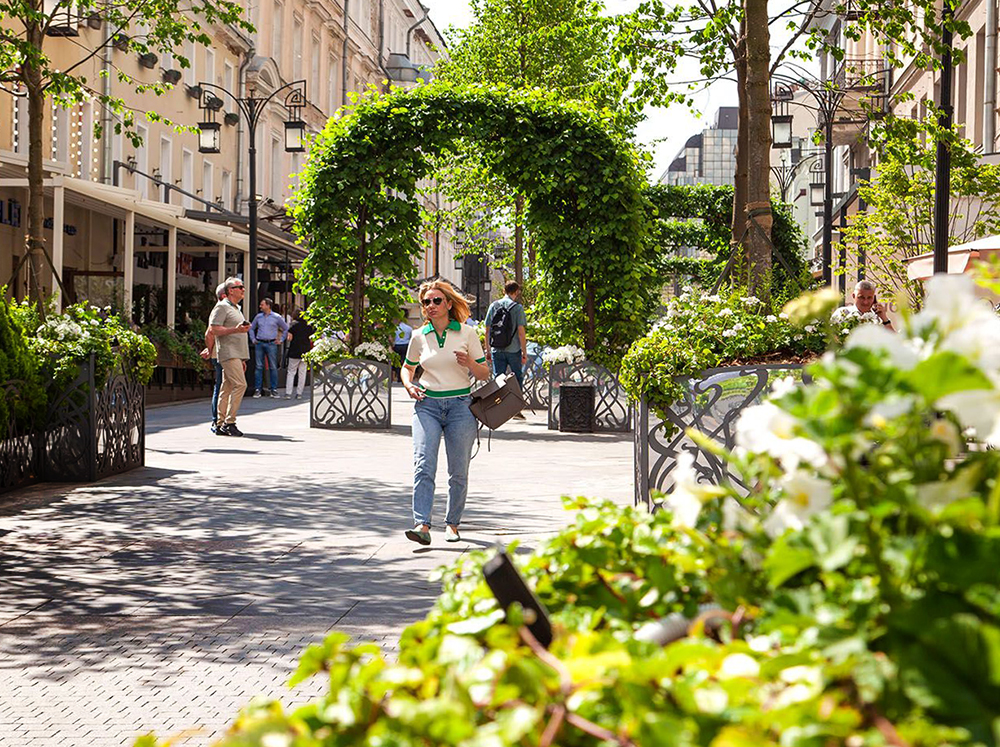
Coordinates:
234	384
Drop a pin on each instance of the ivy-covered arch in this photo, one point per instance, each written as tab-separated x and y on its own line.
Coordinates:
586	207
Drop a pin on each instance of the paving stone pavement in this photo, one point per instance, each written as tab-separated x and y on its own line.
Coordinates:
166	598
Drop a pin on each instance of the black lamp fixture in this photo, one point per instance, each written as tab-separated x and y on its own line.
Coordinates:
817	193
295	133
781	120
209	139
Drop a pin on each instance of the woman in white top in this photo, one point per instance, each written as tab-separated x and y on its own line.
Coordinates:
449	353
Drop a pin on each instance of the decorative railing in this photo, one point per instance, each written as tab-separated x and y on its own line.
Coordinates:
612	408
712	403
89	432
536	382
354	393
21	448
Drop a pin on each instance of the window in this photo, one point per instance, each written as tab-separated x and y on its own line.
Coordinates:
167	60
207	192
314	72
85	137
277	188
187	176
228	73
277	30
333	100
190	73
60	133
226	198
166	162
297	42
142	162
209	74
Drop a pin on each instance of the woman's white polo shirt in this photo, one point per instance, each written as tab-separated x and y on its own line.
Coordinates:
443	376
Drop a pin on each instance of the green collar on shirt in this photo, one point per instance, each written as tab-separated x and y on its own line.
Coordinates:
452	325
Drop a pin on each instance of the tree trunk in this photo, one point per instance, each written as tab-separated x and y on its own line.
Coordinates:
739	223
358	301
758	241
34	235
518	240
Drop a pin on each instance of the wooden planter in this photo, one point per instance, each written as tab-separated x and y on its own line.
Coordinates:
712	403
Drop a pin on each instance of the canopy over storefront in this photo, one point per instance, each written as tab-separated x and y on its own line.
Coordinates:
961	258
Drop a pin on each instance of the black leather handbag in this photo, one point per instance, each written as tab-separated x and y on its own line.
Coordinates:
494	404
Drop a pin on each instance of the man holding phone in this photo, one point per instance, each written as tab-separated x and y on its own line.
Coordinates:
865	300
230	328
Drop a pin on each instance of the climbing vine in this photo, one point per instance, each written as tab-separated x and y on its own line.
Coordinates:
587	212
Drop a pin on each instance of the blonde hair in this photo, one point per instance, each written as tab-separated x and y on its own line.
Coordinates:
459	305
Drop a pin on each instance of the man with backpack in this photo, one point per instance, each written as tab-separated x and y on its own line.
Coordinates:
506	335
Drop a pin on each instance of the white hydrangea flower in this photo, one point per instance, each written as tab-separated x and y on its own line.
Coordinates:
373	351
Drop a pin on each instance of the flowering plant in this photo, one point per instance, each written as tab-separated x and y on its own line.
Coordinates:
699	331
845	319
326	349
563	354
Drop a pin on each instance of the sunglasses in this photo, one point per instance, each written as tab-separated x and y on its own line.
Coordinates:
237	287
437	301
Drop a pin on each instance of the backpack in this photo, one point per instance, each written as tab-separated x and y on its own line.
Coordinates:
502	327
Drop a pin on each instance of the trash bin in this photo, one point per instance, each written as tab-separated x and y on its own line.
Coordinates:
576	408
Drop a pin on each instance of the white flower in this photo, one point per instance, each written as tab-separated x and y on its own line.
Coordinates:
950	304
887	410
978	409
739	665
809	328
870	337
805	496
782	315
275	740
767	429
735	517
373	351
713	299
684	502
564	354
725	312
729	333
935	496
737	327
783	386
770	318
843	314
945	431
751	300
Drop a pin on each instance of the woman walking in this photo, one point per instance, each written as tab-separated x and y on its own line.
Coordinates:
448	351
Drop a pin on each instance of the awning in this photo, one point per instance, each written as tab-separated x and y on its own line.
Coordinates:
961	258
117	201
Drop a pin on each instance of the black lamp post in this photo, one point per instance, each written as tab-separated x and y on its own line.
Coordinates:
942	175
829	100
785	172
252	107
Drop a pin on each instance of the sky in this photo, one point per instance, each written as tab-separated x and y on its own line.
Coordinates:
665	131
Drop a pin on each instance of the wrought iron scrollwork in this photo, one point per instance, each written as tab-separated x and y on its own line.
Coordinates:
353	393
536	382
711	404
21	448
612	409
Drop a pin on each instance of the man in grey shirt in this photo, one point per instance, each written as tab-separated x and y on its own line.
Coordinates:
230	328
507	336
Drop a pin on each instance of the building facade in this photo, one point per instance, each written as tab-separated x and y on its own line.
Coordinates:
708	157
147	226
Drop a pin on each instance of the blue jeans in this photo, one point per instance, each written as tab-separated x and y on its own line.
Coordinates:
433	418
502	360
260	349
215	391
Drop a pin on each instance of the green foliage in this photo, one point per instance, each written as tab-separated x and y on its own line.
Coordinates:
178	346
19	365
899	221
855	586
698	217
699	332
587	212
64	341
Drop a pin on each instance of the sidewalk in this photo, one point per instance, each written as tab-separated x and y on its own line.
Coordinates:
164	599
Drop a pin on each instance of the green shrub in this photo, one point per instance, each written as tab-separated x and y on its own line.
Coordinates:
701	331
17	363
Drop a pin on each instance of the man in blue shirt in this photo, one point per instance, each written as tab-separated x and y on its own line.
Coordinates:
507	336
266	333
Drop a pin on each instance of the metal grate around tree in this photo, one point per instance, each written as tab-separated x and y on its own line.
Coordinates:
353	393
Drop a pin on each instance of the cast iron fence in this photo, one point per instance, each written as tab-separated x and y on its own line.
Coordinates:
612	408
354	393
21	449
712	403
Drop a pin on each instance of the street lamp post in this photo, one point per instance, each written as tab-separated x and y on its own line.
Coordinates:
786	172
252	108
829	100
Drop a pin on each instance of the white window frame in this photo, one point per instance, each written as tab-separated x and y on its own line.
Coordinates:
191	73
166	165
277	30
277	157
209	75
226	193
142	162
207	181
228	76
314	67
298	42
187	176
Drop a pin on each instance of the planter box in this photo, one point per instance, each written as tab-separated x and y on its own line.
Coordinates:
87	434
712	403
21	451
351	394
92	433
612	409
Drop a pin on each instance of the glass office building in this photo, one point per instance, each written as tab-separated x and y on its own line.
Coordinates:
710	156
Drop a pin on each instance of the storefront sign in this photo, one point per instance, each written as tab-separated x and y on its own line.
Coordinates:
12	215
68	228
